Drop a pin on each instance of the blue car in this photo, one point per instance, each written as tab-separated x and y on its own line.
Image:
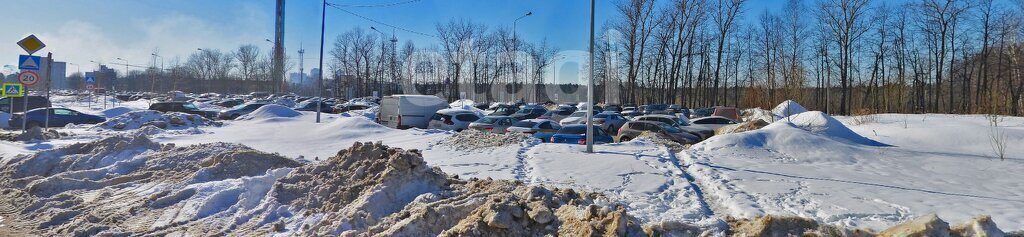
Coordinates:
59	117
576	134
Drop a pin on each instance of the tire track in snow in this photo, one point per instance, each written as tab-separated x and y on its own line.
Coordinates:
674	160
523	171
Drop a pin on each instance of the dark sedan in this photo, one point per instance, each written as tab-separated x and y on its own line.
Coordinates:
59	117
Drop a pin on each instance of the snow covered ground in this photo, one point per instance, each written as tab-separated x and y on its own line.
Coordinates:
870	172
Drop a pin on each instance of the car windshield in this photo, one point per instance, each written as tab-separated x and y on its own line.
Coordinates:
524	124
579	114
190	106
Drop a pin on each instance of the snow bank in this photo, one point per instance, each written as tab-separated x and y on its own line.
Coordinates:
226	189
116	111
466	104
270	111
820	123
802	133
170	120
788	108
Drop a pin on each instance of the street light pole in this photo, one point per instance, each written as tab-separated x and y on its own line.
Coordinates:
515	49
320	79
590	86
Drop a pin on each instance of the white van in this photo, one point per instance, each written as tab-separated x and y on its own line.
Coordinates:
408	111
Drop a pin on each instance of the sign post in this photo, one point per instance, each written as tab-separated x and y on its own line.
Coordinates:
29	64
12	90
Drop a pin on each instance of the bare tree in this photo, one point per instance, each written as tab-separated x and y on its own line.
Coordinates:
845	20
724	16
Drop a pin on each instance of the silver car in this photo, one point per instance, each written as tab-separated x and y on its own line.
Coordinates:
494	124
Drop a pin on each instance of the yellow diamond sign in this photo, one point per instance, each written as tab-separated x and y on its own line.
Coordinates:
31	44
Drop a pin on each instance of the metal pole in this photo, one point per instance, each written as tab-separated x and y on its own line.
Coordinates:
49	75
320	79
590	86
24	110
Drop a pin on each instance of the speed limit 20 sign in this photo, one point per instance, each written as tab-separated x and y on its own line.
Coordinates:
28	78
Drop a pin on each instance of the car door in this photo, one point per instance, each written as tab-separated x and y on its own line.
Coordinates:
62	117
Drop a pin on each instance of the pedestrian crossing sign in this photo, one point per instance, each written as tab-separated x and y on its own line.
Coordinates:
13	90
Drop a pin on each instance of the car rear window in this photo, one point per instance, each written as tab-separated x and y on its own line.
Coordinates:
467	117
572	130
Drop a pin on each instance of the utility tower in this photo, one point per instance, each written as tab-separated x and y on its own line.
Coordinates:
302	71
278	72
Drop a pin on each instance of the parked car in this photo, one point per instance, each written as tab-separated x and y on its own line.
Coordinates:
310	105
577	134
557	115
541	129
341	108
529	112
408	111
228	103
34	102
609	121
183	107
504	110
656	109
59	117
712	122
680	123
630	114
633	129
239	110
452	119
701	112
613	108
575	118
495	124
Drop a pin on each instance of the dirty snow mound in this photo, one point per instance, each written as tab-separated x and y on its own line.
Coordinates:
131	186
742	127
471	139
270	111
659	139
754	114
788	108
116	111
33	134
141	118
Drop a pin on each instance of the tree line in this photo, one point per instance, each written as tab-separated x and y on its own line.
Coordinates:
839	56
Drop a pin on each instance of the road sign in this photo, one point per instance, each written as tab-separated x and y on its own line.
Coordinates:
90	79
13	90
31	44
89	86
28	78
29	62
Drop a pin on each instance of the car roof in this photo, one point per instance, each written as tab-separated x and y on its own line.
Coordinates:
659	116
454	111
711	117
538	120
498	116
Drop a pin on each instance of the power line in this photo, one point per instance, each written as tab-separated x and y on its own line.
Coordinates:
379	5
378	22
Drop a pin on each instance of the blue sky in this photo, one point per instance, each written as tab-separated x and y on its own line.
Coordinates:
80	31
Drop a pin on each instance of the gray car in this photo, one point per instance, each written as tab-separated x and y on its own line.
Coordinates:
239	110
633	129
712	122
494	124
680	123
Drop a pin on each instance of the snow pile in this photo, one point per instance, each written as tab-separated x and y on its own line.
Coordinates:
369	113
660	139
33	134
116	111
754	114
270	111
749	125
132	186
820	123
788	108
804	133
471	139
141	118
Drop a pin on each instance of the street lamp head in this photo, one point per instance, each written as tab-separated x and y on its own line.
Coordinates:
373	28
529	13
200	49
